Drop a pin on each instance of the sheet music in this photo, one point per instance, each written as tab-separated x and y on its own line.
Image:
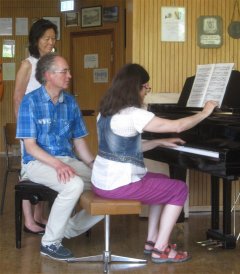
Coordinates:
210	84
218	82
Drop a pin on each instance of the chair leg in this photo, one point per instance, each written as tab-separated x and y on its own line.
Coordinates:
18	219
106	257
4	191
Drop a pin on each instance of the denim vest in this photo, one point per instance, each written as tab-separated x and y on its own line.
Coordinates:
118	148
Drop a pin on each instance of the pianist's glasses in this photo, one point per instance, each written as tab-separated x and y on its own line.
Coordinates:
147	88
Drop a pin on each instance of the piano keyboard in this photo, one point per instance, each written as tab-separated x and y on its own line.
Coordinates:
197	151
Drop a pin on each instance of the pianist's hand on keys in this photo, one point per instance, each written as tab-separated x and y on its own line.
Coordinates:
209	107
170	142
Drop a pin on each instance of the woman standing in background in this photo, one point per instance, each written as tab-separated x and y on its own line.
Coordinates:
42	39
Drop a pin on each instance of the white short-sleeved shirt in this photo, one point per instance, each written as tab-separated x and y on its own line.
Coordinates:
109	174
33	82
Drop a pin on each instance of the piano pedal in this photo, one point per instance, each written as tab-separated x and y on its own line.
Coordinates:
204	242
238	237
210	243
220	244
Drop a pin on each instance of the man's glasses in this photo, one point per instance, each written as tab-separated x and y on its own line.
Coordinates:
63	71
147	88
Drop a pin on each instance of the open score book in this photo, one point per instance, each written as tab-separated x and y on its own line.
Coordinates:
209	84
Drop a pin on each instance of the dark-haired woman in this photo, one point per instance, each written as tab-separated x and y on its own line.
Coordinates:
119	170
42	39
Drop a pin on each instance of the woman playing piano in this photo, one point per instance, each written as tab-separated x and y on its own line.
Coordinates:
119	170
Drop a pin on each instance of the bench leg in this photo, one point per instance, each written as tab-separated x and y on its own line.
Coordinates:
18	219
4	191
107	257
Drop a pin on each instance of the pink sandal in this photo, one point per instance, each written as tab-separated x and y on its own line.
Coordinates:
163	256
151	245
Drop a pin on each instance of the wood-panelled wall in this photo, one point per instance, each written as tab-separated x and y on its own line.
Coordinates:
33	9
170	63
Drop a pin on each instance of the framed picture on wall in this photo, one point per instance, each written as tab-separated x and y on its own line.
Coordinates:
110	14
173	24
71	19
56	21
209	31
91	17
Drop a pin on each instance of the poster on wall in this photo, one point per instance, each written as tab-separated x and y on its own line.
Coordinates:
173	27
100	75
6	26
91	61
9	71
21	26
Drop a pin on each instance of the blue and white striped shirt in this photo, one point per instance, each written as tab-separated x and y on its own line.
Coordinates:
52	125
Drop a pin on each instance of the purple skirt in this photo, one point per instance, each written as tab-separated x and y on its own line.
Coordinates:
152	189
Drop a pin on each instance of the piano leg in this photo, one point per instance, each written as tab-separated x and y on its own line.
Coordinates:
227	200
225	237
215	202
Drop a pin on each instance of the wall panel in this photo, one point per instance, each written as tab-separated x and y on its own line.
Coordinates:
169	63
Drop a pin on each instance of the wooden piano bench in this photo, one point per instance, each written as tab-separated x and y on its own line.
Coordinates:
96	205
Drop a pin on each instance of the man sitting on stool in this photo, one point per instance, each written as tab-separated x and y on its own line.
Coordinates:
53	130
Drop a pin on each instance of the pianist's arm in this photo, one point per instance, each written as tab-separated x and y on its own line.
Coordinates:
164	142
161	125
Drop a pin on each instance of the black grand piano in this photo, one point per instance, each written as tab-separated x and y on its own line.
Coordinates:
213	146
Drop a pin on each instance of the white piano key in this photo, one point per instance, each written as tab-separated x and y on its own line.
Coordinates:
197	151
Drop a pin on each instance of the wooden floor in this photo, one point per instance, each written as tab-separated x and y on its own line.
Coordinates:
127	238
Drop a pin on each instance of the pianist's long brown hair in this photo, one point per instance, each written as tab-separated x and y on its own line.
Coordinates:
124	90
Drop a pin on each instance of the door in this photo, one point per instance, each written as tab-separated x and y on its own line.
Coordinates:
92	71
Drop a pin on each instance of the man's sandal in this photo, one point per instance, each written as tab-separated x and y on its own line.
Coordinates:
163	256
151	245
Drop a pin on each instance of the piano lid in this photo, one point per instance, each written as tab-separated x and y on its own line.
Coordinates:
231	98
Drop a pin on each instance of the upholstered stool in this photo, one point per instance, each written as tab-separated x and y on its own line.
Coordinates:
95	205
27	190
